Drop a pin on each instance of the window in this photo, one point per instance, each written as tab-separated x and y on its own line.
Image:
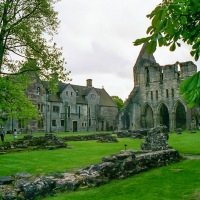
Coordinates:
40	124
77	93
93	96
71	93
161	77
79	112
151	94
53	122
89	122
89	112
38	91
40	107
147	76
156	94
172	92
67	93
69	112
56	109
167	93
82	124
62	122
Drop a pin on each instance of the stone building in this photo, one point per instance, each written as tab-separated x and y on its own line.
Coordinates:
74	108
155	97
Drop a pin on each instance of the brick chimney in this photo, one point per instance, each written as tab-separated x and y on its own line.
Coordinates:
89	82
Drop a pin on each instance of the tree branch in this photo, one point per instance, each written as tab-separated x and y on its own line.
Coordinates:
17	73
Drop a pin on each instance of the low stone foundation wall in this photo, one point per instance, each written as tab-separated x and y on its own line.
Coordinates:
101	137
136	134
49	141
116	166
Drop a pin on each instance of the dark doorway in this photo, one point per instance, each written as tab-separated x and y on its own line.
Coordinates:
180	116
148	117
164	116
75	127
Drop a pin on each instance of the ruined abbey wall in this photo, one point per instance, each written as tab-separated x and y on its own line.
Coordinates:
155	97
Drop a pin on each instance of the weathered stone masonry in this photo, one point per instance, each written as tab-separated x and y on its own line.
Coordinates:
155	97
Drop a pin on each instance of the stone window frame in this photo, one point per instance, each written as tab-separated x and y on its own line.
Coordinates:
167	93
53	122
172	92
156	94
40	124
62	122
151	95
56	109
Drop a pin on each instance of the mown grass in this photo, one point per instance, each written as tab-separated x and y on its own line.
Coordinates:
174	182
79	154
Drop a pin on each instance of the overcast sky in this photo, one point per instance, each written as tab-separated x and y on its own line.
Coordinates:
97	36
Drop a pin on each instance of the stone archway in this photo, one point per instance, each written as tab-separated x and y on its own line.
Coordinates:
164	115
180	116
147	118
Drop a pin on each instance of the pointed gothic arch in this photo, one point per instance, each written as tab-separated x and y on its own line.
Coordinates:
147	120
163	115
180	115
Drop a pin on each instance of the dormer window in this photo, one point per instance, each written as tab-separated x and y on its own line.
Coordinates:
77	93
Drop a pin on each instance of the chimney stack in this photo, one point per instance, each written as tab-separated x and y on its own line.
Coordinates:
89	82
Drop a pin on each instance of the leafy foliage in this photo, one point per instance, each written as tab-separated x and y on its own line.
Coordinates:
118	101
190	90
173	21
26	45
24	28
13	101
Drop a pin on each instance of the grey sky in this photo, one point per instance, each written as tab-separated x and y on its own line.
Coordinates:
97	36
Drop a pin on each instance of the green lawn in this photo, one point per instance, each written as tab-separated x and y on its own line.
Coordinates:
174	182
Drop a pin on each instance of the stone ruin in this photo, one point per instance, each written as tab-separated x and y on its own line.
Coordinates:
136	134
157	139
49	141
155	153
100	137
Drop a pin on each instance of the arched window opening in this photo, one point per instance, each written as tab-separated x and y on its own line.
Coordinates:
147	77
164	116
147	118
161	76
180	116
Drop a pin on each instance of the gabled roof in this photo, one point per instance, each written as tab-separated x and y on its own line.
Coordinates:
105	99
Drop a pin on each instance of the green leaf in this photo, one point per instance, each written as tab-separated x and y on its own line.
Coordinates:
183	20
172	47
151	47
141	41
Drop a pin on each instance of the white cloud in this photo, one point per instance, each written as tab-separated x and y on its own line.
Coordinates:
97	36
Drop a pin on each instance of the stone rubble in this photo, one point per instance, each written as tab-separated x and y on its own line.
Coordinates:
117	166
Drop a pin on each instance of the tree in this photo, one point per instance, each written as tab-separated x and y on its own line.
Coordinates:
24	28
26	44
118	101
14	104
173	21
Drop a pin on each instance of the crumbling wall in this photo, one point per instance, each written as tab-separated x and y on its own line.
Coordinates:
116	166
